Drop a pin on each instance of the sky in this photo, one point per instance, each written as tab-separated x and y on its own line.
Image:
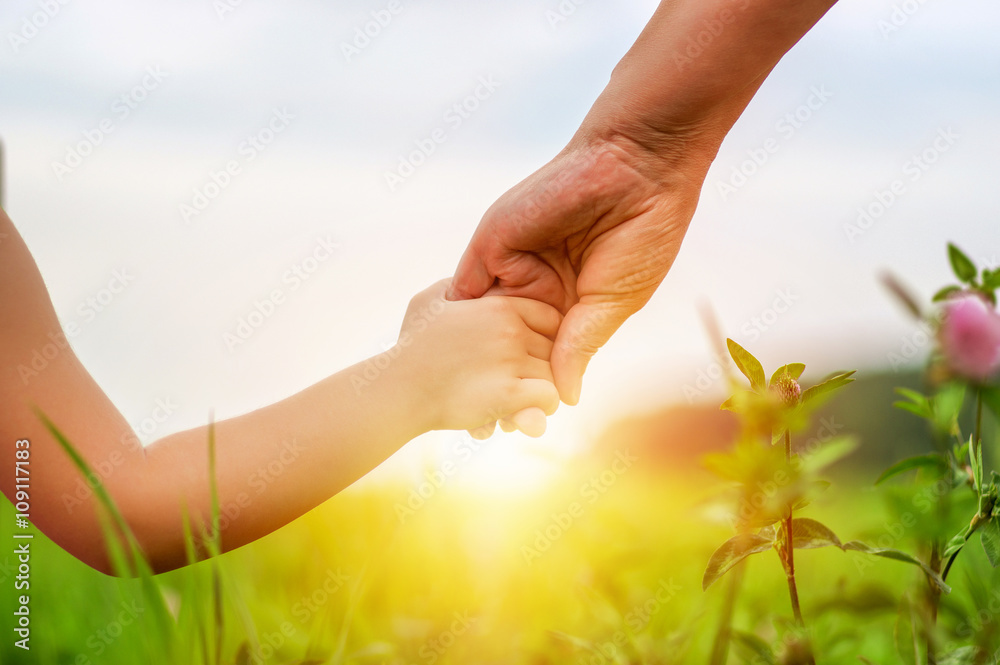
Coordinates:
192	155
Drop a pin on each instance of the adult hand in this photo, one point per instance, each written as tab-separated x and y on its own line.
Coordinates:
595	230
592	233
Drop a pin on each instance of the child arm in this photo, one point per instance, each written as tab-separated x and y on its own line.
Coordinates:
456	366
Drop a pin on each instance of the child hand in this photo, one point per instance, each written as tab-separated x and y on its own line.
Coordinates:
479	361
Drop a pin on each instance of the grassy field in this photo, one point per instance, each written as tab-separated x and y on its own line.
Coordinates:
603	567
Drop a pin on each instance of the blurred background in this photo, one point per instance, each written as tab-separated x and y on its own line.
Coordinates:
116	116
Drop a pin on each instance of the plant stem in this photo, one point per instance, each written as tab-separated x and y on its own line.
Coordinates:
793	590
789	546
977	440
974	450
935	593
934	598
979	412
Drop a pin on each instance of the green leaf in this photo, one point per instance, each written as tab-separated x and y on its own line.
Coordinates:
967	655
897	555
943	294
990	537
762	519
961	264
917	462
954	545
828	453
742	401
913	396
946	405
912	408
976	459
758	648
827	386
961	451
731	553
747	364
809	534
793	370
991	278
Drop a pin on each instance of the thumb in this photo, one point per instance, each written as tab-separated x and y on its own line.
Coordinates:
472	278
585	329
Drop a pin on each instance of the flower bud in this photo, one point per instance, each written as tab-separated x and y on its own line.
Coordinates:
787	390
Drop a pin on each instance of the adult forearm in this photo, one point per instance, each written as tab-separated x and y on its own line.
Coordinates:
694	69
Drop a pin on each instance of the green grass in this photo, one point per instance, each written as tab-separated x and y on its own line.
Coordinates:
451	585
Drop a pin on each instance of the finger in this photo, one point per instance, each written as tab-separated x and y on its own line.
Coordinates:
540	317
535	368
508	425
483	432
539	346
530	421
585	329
435	291
538	393
472	277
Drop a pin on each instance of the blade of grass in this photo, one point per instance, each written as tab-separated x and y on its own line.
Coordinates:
136	565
